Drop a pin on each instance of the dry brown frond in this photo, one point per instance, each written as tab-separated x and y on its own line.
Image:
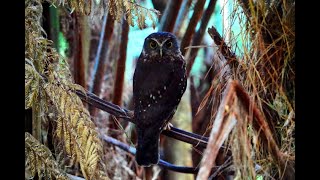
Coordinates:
152	14
117	8
49	87
40	161
132	10
32	79
266	71
76	130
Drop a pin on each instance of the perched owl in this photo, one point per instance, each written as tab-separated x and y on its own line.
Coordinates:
159	82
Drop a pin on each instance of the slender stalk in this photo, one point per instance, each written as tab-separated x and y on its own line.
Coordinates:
197	39
162	163
182	16
101	63
98	53
198	9
170	15
79	68
121	65
120	72
225	50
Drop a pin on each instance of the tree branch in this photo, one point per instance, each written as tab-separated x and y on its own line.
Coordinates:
225	50
117	111
162	163
228	114
170	15
222	126
185	6
99	69
79	72
121	65
197	39
198	9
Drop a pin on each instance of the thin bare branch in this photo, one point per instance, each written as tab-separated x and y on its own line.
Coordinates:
182	16
115	110
101	59
170	15
222	126
225	50
197	39
198	9
162	163
121	65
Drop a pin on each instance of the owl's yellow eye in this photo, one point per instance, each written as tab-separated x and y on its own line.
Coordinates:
153	44
169	44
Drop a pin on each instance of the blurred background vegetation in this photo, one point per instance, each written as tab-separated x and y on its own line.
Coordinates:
93	46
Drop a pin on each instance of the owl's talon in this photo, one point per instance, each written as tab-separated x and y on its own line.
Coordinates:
168	126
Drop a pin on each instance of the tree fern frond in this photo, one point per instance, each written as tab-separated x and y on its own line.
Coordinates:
79	135
74	132
40	161
31	85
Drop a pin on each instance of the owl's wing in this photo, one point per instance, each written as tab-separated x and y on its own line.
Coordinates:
158	88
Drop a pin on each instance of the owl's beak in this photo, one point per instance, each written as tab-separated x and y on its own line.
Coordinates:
161	51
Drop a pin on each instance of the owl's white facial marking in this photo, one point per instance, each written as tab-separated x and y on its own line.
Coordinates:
160	44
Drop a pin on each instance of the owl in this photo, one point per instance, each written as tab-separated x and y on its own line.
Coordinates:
159	81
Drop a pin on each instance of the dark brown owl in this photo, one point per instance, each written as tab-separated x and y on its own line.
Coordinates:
159	82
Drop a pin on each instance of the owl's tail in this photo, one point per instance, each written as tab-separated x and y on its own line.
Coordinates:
147	152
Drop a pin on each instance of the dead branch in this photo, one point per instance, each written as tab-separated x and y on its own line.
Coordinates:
226	118
198	9
162	163
259	124
222	126
225	50
197	39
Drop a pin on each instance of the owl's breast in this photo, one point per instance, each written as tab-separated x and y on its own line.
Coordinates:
158	88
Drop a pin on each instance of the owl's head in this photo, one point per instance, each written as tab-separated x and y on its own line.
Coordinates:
161	44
